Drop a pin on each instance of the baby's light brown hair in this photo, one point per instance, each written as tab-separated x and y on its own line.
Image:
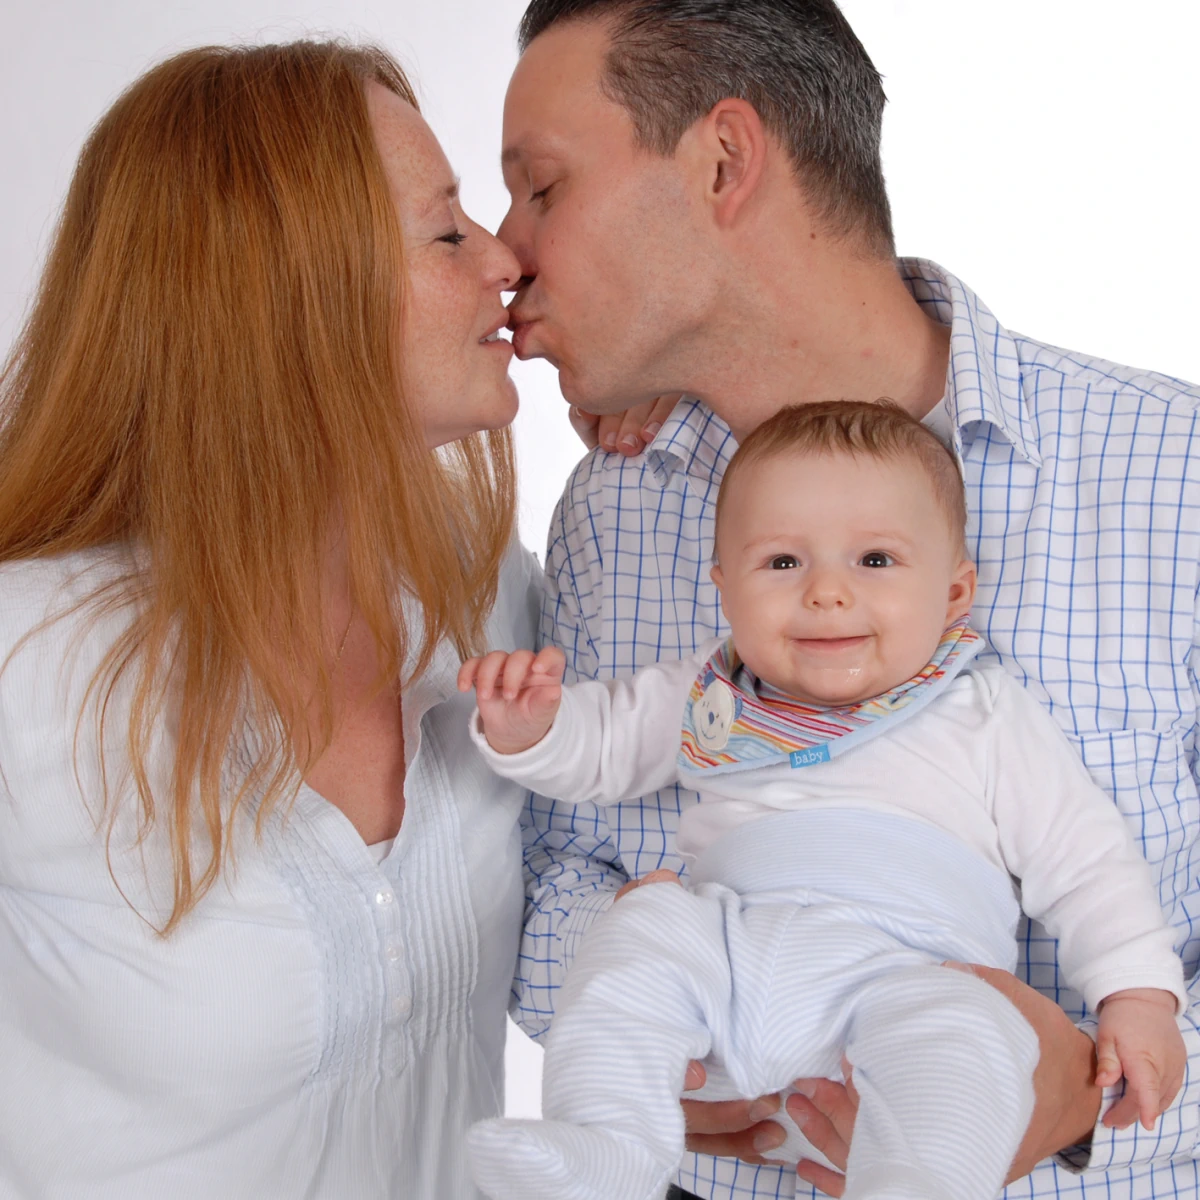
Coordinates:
880	430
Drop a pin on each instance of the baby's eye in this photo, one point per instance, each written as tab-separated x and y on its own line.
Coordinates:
876	558
784	562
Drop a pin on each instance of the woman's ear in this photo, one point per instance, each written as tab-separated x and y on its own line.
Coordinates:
962	591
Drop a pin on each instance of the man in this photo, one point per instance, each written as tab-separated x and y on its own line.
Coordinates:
698	206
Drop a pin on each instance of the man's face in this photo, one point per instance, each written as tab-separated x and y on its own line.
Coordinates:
610	237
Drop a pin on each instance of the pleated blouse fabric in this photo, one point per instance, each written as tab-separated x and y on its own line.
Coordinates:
321	1027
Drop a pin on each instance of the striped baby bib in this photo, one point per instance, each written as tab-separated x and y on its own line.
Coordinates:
734	722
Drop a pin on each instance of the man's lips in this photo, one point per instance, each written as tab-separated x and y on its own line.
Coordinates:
520	334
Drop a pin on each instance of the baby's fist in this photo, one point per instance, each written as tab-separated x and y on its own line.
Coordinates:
1139	1038
518	695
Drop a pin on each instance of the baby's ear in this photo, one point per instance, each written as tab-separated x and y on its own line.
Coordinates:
962	591
719	579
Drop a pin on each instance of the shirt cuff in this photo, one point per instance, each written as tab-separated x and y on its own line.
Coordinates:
1174	1134
526	764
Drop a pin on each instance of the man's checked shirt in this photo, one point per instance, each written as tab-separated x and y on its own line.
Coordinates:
1083	483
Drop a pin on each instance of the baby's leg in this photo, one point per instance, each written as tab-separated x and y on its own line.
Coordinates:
649	991
943	1065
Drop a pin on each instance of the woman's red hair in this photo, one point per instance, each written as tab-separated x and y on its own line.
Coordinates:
210	375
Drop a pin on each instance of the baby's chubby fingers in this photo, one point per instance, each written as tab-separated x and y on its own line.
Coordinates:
524	669
488	673
1108	1062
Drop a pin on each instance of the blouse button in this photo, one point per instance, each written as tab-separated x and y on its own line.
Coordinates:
384	897
392	950
401	1006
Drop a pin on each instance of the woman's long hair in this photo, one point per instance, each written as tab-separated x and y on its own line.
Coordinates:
210	374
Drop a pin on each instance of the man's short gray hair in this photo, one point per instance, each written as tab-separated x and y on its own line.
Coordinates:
797	62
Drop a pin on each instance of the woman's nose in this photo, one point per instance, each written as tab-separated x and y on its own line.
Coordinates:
503	269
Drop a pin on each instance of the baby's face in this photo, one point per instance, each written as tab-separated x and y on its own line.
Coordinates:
838	574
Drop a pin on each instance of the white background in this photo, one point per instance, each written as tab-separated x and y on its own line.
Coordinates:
1046	151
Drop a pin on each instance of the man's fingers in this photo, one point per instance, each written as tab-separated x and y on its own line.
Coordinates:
585	425
629	433
830	1108
741	1145
817	1126
660	410
608	428
822	1178
722	1117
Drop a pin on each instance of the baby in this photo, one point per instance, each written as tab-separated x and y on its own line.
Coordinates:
869	791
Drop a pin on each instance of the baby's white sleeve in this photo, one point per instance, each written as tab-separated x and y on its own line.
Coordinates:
610	741
1081	872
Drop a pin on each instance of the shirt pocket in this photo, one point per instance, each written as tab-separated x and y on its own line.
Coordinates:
1147	775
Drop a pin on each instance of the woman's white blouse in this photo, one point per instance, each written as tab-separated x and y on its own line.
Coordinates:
321	1026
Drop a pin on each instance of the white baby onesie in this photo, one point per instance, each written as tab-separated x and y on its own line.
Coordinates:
823	900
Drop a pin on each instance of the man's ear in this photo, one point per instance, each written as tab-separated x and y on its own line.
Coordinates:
735	148
962	591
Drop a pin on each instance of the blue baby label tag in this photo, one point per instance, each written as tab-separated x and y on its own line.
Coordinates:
809	757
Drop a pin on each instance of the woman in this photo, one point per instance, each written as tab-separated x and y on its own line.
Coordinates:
259	901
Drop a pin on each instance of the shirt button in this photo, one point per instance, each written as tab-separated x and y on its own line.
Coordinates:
384	897
392	950
401	1006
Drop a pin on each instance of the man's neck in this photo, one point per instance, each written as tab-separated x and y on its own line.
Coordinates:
814	322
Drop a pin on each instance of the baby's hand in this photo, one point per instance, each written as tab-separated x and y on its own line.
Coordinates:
518	695
1138	1038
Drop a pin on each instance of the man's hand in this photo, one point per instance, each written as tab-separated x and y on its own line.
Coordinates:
518	695
627	433
1066	1105
730	1128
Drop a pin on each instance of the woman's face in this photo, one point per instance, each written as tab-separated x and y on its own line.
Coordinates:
455	365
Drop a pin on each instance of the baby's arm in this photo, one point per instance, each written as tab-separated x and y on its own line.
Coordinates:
1084	877
1138	1038
592	742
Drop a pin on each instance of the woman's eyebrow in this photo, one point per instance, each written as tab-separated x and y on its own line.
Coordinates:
448	193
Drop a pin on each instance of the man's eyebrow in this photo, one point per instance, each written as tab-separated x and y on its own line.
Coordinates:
534	147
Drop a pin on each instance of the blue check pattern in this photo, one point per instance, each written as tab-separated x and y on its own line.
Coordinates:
1083	483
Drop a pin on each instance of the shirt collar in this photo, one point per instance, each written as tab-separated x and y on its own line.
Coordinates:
693	439
983	383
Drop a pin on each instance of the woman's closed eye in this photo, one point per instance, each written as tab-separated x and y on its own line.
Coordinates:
453	239
876	558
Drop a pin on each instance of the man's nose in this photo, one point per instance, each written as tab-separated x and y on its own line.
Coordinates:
514	233
827	591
